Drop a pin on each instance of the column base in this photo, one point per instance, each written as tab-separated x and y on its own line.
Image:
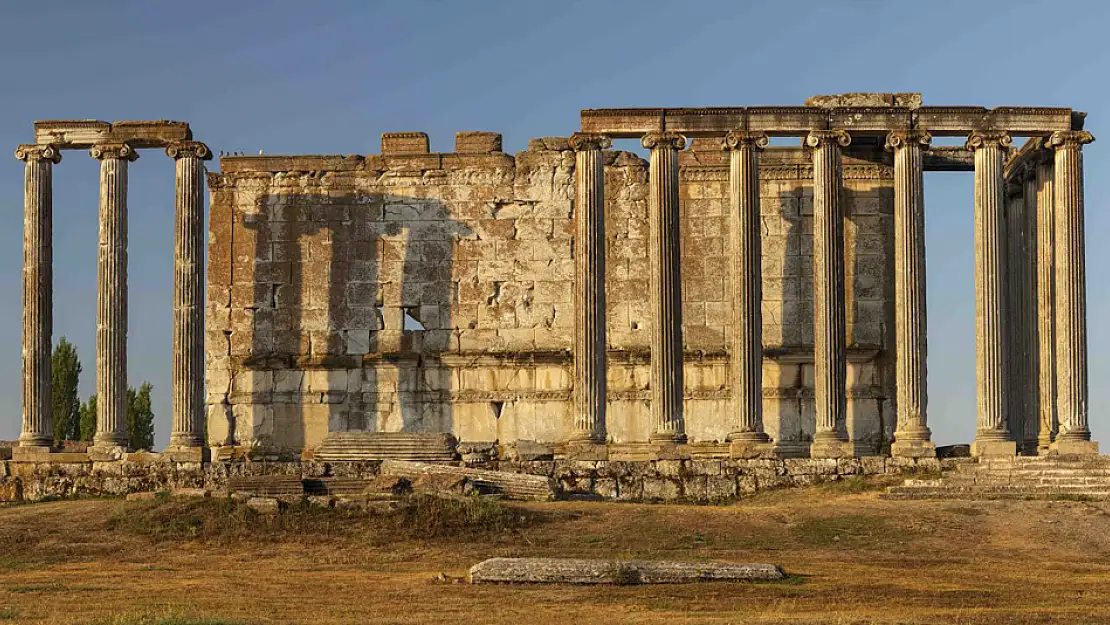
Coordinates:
34	440
107	453
993	449
179	453
587	450
913	449
1065	447
831	448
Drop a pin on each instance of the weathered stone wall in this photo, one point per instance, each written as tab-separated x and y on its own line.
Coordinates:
434	292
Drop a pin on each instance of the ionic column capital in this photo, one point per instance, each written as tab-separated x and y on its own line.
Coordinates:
1069	139
584	141
113	150
817	138
183	149
37	152
737	139
663	139
989	139
906	138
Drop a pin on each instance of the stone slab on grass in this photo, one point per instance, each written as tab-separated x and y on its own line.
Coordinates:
622	572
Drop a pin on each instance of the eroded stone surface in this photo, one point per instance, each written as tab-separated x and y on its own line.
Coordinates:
620	572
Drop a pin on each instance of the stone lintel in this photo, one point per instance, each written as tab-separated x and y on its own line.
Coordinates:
948	158
83	134
281	163
1029	154
799	120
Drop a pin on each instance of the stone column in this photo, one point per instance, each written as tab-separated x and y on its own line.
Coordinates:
1014	215
1046	304
666	288
589	289
38	292
746	278
830	355
111	302
188	296
1071	295
1030	401
992	436
912	438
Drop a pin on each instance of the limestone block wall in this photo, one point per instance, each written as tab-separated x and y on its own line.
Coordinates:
417	291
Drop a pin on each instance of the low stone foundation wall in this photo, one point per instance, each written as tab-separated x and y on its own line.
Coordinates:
704	481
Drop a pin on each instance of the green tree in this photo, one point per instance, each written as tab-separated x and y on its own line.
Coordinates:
88	419
140	417
65	373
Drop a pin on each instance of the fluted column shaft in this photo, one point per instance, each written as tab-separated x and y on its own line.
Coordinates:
912	436
1046	303
830	354
589	289
188	295
666	288
746	277
111	300
1013	231
1071	292
38	292
992	434
1028	386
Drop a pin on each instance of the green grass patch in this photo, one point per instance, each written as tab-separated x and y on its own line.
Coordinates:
850	531
8	613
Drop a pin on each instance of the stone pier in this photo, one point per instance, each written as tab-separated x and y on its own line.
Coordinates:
188	296
669	426
1071	295
992	436
38	291
745	269
912	438
589	293
830	353
111	439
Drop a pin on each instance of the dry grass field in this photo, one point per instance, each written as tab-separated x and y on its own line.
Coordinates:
854	558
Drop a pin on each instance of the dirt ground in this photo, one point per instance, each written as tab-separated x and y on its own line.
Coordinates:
853	558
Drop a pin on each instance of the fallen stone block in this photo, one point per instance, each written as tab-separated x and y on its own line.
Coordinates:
143	496
264	505
511	485
621	572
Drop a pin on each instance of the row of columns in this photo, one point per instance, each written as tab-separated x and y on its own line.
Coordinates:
912	435
111	312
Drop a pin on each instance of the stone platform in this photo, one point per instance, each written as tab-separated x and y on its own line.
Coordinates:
1050	477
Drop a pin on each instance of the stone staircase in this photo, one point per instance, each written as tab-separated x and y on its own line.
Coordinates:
340	446
1044	477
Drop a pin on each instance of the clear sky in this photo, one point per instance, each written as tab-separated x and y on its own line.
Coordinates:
330	77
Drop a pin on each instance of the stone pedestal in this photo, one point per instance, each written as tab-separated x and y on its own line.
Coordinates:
188	296
112	436
912	438
589	289
830	355
992	435
666	288
38	292
746	341
1071	295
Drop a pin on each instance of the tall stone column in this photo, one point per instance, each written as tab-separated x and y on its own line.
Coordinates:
1046	303
1028	387
668	423
746	278
111	302
1014	215
188	295
912	438
830	354
38	293
589	289
992	436
1071	295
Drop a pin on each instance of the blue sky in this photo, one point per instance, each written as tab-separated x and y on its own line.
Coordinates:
330	77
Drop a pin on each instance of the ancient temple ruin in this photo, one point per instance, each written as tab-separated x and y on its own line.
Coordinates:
726	298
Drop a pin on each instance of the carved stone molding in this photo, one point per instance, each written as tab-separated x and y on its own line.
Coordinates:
989	138
31	151
737	139
1069	139
817	137
663	139
581	141
113	150
900	138
183	149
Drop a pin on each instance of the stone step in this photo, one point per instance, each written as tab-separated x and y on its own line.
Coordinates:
335	486
995	492
266	485
356	446
512	485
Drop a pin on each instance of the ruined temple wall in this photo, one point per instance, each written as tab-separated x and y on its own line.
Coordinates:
315	263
